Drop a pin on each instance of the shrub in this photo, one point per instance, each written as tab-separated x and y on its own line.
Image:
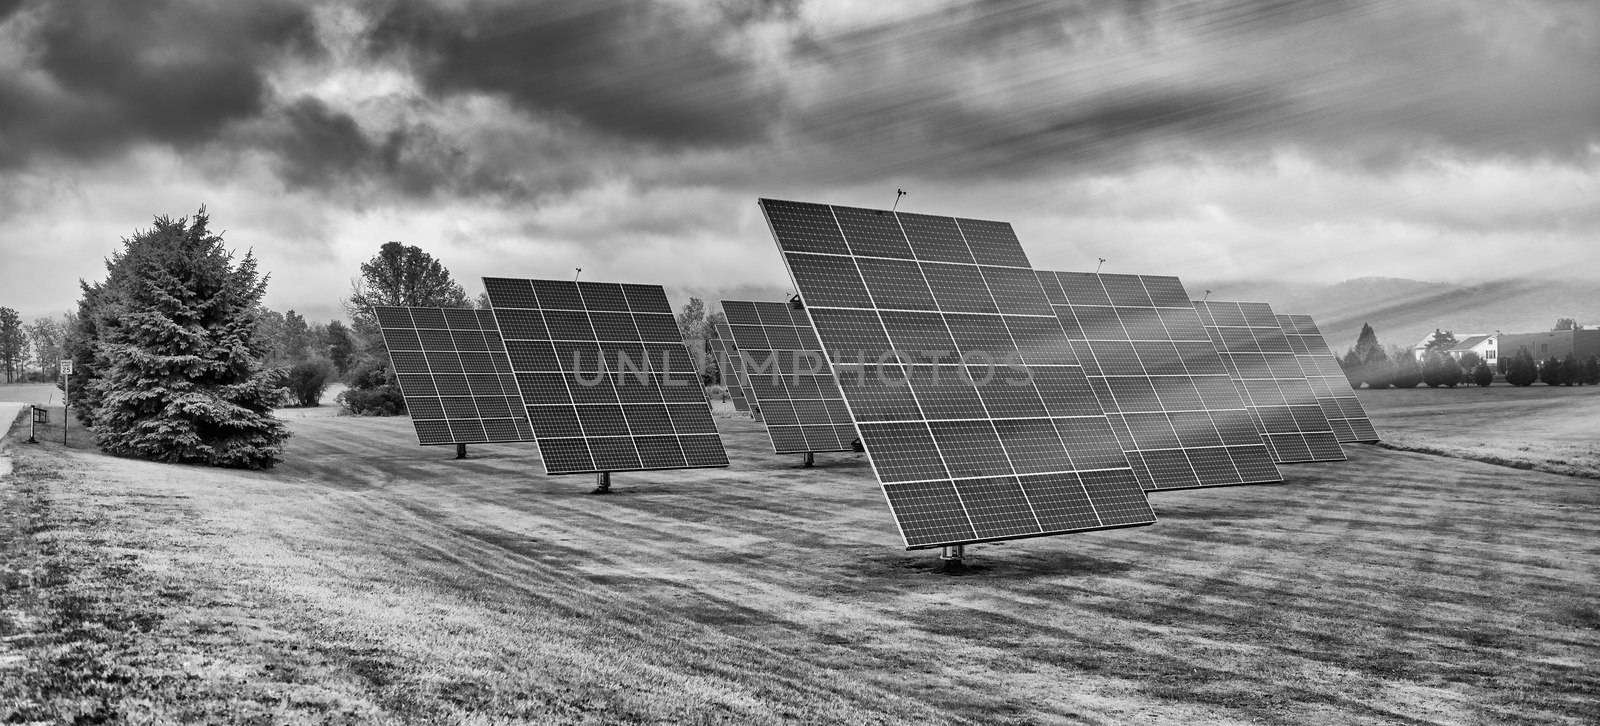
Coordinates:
1552	372
1407	372
1483	375
373	391
1440	370
1591	370
1571	371
308	379
1521	370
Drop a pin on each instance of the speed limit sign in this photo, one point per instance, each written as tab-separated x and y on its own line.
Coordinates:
66	367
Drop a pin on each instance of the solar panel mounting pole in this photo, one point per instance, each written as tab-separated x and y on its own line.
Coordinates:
953	554
461	451
811	459
602	482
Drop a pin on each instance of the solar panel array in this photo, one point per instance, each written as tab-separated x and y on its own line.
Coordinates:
608	383
454	374
789	378
977	419
733	376
1338	400
1268	377
1156	373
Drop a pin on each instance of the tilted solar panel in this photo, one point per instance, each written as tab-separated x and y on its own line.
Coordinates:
1156	373
789	378
1265	371
1338	400
977	419
732	368
605	376
453	372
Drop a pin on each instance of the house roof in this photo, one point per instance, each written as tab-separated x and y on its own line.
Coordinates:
1469	342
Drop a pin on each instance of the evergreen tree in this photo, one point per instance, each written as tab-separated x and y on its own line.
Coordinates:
1439	369
1591	371
1351	365
1521	370
1376	369
176	374
296	337
1571	371
1407	372
1469	360
1482	374
13	344
1552	373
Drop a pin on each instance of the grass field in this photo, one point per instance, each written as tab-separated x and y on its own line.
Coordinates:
371	580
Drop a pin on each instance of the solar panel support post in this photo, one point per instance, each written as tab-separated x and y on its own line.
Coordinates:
602	483
811	460
461	451
953	553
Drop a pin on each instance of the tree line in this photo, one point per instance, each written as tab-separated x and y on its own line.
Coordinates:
1368	364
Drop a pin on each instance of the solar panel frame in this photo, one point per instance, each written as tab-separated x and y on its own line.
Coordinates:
592	407
426	348
733	374
1339	402
942	476
1282	406
794	373
1118	325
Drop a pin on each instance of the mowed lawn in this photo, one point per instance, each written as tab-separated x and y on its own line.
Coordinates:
368	579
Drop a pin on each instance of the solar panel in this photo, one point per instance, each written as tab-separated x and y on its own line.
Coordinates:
1264	369
1338	400
605	376
974	414
453	372
789	378
733	375
1154	370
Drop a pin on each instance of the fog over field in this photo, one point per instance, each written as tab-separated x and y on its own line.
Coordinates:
1292	141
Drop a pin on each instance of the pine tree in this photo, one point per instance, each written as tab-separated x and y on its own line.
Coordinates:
1482	374
1351	365
1591	370
1407	372
1521	370
1376	368
1439	369
175	373
1571	371
341	346
1552	373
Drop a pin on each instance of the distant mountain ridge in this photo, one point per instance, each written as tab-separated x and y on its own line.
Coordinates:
1403	311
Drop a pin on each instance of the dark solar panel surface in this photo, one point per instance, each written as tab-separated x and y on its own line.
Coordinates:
607	381
1153	369
733	373
1338	400
454	374
789	378
1265	371
979	423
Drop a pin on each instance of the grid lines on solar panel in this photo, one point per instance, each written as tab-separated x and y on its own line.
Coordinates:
1262	363
453	372
1127	331
604	375
970	404
791	378
732	368
1328	382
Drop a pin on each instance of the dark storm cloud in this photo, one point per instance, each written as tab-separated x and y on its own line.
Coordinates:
98	76
639	71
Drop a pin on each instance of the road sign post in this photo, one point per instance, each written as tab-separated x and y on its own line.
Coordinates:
66	390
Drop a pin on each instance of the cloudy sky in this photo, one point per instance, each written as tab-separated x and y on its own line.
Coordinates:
1313	140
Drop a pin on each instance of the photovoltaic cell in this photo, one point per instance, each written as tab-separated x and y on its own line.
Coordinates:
781	357
454	374
606	380
1279	399
733	373
971	405
1334	394
1127	330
